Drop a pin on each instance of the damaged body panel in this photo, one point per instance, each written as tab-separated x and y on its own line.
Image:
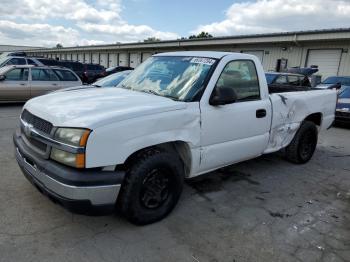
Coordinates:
290	109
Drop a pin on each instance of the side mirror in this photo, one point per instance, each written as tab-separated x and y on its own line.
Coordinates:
2	77
223	96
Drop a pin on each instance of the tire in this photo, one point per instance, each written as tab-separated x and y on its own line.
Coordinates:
303	145
152	186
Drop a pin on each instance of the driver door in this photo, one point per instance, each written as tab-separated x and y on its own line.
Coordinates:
237	131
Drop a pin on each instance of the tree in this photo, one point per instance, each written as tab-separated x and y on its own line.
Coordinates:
59	45
151	39
201	35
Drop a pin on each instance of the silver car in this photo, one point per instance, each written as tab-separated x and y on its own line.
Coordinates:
20	83
18	60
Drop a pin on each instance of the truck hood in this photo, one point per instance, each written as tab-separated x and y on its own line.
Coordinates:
94	107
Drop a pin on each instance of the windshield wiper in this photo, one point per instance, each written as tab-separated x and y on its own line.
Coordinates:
124	86
96	85
150	91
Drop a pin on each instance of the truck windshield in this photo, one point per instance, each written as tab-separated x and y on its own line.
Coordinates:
178	78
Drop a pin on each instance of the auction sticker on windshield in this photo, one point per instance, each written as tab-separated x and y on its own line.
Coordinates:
203	60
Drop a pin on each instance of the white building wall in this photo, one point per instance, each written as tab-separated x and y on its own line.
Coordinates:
104	59
123	59
113	59
296	53
87	58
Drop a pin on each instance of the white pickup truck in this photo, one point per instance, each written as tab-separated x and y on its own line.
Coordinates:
177	116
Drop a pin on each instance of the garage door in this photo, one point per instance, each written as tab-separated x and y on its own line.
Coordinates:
145	56
327	60
134	60
257	53
104	60
123	59
113	59
81	57
95	58
87	58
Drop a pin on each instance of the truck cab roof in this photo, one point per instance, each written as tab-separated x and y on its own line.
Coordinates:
211	54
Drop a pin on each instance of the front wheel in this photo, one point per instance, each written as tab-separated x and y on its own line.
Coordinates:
152	186
303	145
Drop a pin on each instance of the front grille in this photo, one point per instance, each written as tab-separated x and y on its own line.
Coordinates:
37	122
40	145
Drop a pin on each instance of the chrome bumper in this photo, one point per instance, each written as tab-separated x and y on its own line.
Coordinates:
97	195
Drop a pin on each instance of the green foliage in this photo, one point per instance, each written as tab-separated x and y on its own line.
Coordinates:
201	35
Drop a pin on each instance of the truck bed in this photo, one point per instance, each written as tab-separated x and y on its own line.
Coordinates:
273	89
289	110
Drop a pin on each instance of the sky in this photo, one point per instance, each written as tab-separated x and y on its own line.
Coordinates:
89	22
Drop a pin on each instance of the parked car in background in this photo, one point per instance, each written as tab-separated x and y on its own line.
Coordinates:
88	73
14	53
92	72
77	67
333	81
342	114
287	82
19	60
22	82
306	71
115	69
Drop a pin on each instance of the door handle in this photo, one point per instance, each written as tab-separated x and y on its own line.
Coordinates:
54	84
260	113
22	84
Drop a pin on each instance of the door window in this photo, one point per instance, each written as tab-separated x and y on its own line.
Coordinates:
30	62
241	76
65	75
17	74
39	74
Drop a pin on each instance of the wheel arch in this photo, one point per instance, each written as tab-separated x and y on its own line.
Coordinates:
315	118
180	148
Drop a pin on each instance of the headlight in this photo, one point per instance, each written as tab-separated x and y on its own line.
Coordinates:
74	137
69	159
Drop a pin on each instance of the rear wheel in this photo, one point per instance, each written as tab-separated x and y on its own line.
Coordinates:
303	145
152	186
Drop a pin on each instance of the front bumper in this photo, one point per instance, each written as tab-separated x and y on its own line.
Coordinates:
81	191
342	116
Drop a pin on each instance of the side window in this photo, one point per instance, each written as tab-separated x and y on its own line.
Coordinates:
281	80
294	80
39	74
65	75
30	62
241	76
16	61
17	74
